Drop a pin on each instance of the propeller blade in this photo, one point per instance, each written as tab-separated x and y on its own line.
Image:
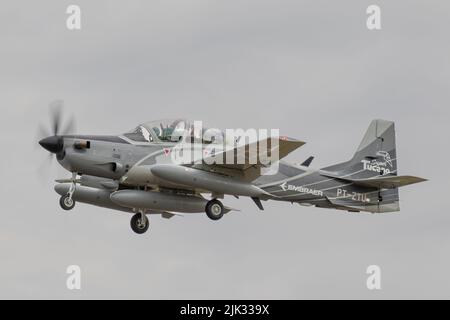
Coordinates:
43	168
70	127
50	138
56	114
41	133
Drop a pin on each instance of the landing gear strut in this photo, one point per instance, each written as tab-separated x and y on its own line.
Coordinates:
214	209
139	223
66	201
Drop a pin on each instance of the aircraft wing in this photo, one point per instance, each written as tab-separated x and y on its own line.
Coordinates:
245	162
255	154
240	166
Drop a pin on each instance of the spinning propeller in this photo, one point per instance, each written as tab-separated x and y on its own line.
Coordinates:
52	139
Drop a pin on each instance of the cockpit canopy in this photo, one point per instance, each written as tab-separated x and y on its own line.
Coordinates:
168	130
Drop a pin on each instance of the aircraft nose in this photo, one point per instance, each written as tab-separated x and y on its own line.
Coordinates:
53	144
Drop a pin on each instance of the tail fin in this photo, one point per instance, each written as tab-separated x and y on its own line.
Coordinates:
375	156
374	167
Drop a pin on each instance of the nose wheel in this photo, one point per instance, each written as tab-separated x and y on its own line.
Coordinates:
139	223
66	201
214	209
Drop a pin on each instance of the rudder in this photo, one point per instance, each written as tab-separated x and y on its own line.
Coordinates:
375	156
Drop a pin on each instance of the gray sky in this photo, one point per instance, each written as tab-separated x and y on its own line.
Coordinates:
310	68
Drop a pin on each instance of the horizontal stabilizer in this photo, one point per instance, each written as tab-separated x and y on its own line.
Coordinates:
383	182
388	182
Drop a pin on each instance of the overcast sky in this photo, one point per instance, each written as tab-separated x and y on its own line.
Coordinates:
310	68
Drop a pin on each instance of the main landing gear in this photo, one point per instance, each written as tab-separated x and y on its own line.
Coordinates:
139	223
66	201
214	209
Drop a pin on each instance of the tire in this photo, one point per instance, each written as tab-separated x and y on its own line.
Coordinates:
136	225
66	202
214	209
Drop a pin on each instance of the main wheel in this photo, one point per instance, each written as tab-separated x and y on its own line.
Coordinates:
66	202
214	209
138	224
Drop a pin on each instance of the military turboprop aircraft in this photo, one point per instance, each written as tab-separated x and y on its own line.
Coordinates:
134	172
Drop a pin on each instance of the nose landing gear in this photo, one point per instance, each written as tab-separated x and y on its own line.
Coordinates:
66	201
